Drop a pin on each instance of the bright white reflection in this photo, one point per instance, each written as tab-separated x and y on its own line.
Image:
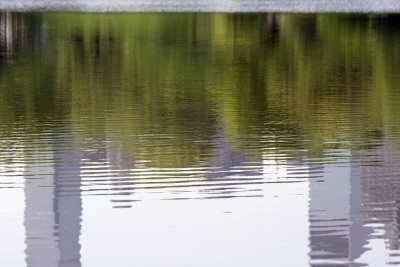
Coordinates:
12	211
222	232
213	232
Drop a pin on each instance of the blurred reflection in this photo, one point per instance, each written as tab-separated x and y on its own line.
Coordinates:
137	107
7	37
380	185
337	232
53	205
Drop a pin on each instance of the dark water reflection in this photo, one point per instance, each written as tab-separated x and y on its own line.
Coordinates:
207	139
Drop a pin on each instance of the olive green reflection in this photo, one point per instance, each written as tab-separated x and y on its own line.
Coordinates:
161	86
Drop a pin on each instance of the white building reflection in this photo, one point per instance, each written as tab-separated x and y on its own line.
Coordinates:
337	232
339	197
53	205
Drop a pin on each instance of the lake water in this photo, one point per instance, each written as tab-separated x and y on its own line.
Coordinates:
169	140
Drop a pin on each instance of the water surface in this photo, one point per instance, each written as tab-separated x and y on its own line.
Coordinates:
199	139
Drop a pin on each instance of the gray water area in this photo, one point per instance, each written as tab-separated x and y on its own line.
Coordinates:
306	6
209	139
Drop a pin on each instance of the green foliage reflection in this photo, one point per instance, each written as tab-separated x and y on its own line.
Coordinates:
169	84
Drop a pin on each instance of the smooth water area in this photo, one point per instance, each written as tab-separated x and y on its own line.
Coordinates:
199	140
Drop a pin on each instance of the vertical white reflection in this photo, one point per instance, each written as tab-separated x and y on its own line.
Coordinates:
68	203
11	207
40	220
6	31
286	203
337	232
53	206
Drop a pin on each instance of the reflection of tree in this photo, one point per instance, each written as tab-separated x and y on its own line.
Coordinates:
156	89
6	33
172	77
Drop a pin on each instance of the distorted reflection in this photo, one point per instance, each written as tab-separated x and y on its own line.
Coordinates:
144	126
53	205
337	232
379	181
